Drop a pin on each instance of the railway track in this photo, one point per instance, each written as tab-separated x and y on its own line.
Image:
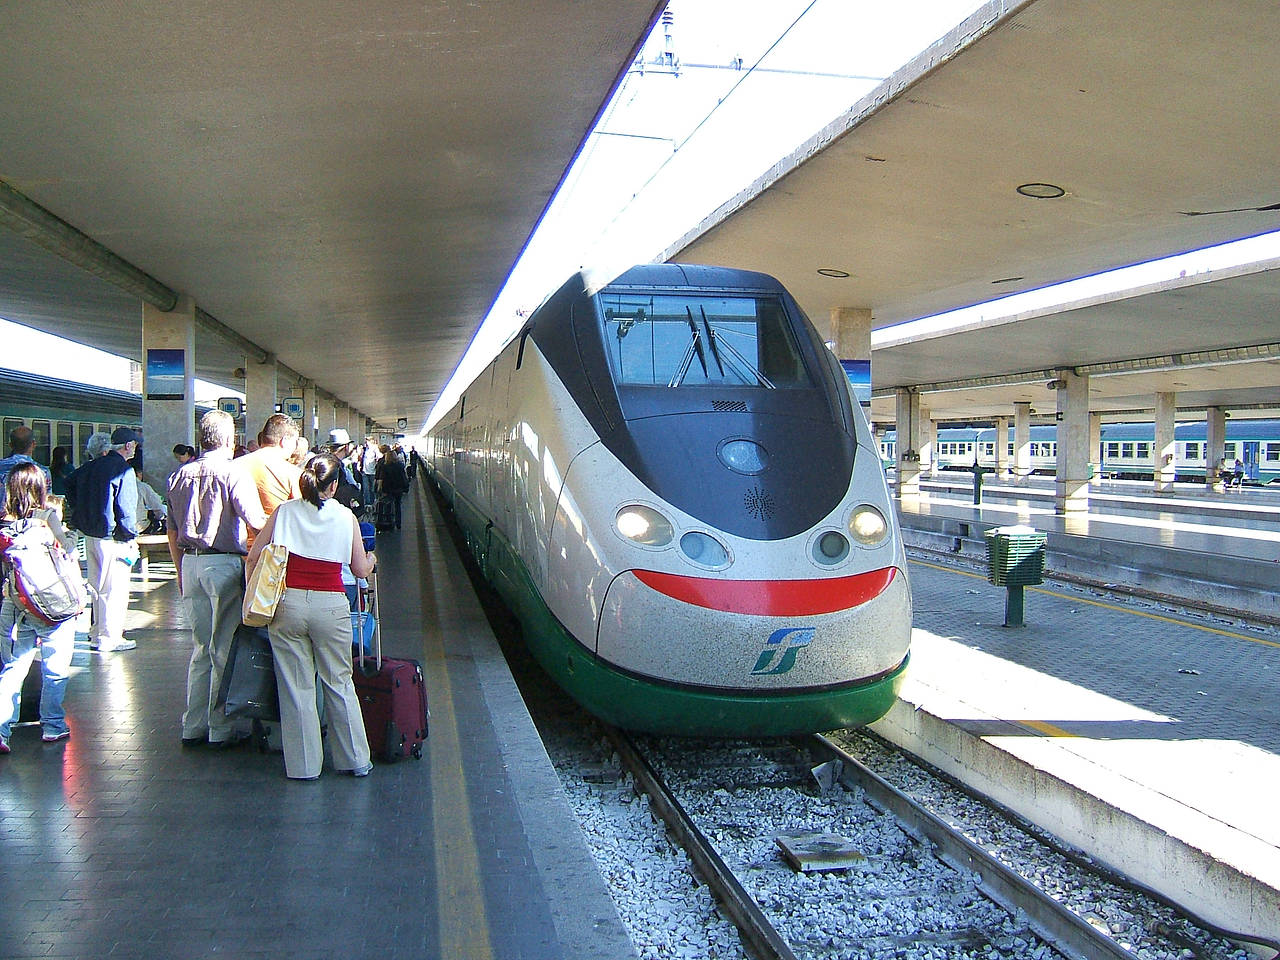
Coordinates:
1029	922
925	890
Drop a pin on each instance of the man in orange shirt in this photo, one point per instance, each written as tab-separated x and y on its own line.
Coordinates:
269	466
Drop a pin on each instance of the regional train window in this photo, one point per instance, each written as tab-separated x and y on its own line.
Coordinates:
40	430
66	437
1193	451
1271	451
1144	451
693	340
1126	451
1229	451
86	431
104	428
11	424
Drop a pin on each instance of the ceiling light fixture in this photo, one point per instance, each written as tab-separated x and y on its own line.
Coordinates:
832	273
1042	191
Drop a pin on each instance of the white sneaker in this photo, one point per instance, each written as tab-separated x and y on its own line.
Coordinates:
108	646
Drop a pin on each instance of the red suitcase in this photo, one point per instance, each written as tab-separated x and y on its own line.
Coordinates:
393	699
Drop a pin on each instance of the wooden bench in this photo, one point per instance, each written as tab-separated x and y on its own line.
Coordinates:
148	544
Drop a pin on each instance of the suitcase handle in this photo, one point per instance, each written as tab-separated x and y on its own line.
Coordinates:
377	627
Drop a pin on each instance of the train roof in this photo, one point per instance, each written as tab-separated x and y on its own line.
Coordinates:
696	276
18	388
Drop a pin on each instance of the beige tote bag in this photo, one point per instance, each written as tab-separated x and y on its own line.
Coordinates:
266	586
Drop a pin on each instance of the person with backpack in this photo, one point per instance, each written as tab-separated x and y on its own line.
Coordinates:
43	593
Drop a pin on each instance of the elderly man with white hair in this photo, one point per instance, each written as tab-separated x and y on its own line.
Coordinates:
104	494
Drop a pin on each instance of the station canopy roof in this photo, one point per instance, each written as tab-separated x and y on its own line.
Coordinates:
345	185
1152	119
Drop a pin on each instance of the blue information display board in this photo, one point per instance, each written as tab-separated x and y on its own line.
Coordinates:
166	375
859	374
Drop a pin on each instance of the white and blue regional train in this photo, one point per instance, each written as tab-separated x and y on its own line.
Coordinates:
1127	449
668	482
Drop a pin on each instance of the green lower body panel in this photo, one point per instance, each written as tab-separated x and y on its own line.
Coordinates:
651	706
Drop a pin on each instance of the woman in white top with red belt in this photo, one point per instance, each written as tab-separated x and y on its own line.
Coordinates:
311	631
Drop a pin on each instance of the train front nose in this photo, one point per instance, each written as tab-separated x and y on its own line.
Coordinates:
755	634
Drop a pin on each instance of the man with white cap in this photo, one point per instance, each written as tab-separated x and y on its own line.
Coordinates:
106	501
340	446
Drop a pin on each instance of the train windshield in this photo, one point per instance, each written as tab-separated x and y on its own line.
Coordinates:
693	340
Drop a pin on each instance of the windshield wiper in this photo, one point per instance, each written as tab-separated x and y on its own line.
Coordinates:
711	337
695	346
734	354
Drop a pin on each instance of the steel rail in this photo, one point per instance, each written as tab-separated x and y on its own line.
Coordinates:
1051	921
759	936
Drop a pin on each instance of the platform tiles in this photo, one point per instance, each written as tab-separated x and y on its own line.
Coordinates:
119	843
1148	739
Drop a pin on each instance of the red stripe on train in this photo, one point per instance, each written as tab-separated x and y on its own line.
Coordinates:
772	598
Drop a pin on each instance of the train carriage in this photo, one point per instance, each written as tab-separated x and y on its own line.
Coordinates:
1126	450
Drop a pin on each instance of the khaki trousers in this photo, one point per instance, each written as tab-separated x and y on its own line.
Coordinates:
311	642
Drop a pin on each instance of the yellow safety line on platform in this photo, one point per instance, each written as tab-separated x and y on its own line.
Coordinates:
1111	606
1048	729
460	904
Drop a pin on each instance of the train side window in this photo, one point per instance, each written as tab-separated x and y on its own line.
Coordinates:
104	428
65	436
524	335
11	424
86	431
1271	451
1113	451
1229	451
1144	451
40	429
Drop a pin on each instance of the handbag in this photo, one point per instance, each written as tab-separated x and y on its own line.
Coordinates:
248	686
266	586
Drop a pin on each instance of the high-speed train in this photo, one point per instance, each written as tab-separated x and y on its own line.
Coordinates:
668	482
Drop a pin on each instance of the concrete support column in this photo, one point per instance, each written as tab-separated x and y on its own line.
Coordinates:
1021	440
326	416
908	453
1095	448
929	449
1215	442
310	421
1071	486
342	417
1002	447
851	334
1163	469
168	389
261	387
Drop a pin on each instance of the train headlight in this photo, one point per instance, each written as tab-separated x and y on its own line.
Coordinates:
830	548
704	549
644	525
868	525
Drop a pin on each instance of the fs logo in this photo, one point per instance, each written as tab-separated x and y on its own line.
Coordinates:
788	642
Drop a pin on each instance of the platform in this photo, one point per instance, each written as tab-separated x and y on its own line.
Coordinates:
1219	549
120	843
1147	738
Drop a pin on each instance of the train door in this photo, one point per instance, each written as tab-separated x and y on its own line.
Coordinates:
1250	459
